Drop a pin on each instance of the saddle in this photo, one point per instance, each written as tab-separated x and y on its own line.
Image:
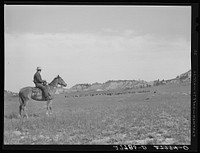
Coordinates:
37	94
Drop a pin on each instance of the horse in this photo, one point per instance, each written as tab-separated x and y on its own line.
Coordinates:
34	93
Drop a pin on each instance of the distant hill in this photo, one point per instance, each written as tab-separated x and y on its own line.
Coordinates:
129	84
10	93
111	85
59	90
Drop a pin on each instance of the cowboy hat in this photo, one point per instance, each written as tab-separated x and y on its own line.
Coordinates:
39	68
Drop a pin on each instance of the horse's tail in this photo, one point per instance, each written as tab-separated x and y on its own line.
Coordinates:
21	102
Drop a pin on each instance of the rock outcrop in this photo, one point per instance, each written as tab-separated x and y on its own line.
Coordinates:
129	84
184	77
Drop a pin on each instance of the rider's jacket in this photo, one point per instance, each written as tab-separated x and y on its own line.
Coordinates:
37	78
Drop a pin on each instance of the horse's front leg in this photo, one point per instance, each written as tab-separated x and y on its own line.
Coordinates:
48	101
49	107
25	111
50	104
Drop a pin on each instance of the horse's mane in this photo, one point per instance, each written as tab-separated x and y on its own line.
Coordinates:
51	83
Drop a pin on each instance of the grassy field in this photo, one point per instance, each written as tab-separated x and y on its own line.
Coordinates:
145	118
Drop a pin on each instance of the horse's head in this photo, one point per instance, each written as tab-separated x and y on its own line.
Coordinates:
61	81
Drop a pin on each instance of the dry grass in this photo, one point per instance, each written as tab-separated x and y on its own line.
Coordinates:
122	119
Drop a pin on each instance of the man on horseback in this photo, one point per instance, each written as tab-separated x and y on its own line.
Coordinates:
41	84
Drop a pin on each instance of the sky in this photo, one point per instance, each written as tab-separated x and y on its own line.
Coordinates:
88	44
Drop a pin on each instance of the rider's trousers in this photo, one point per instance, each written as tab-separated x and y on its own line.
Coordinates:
43	88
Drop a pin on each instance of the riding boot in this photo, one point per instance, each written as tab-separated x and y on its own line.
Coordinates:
49	97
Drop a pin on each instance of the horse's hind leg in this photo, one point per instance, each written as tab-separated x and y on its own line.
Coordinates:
22	107
20	110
